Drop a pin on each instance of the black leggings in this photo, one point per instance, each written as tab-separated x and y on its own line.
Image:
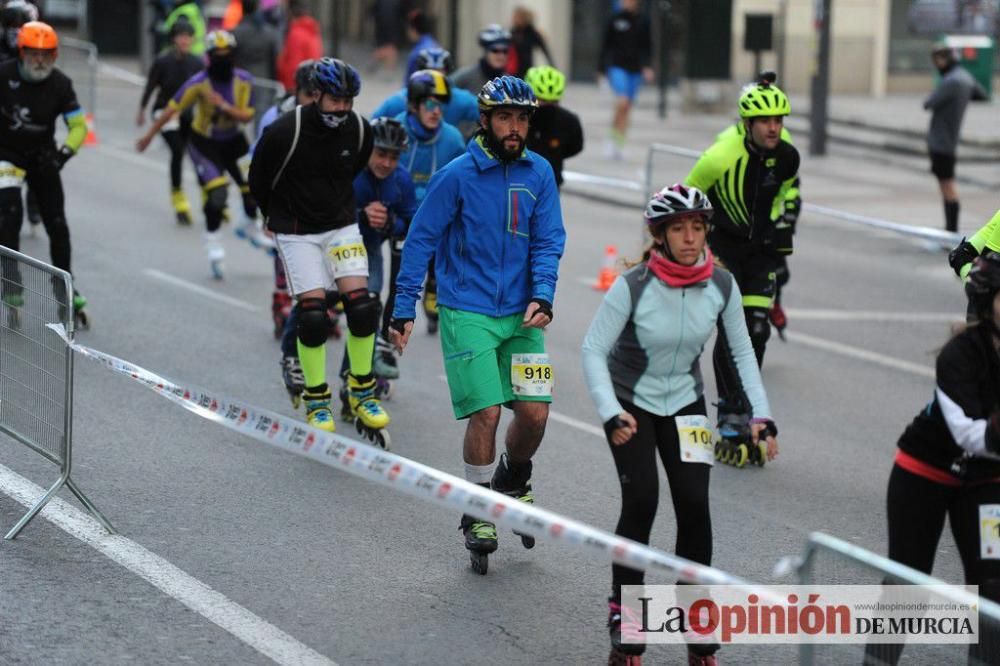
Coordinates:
636	464
177	140
916	508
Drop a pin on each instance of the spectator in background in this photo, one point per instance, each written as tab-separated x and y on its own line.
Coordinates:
303	42
189	10
495	42
947	106
625	58
257	44
386	32
233	15
418	31
524	40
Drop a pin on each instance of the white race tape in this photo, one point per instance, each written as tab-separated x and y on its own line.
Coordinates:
405	475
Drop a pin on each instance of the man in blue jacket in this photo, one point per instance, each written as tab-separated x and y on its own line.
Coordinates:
492	217
433	143
462	110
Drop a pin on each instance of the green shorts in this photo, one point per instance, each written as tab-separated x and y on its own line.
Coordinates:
478	352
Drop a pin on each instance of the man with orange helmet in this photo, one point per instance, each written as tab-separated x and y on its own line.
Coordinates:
33	94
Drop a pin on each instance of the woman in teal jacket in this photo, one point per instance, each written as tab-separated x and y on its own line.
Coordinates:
641	360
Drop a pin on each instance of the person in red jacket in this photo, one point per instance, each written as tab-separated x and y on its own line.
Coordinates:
302	43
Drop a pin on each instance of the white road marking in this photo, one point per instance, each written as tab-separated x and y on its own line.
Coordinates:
132	157
198	289
244	625
806	314
859	353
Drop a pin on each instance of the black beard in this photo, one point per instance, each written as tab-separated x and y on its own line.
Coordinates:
496	146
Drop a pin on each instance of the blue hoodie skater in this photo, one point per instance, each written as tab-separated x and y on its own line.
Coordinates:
496	231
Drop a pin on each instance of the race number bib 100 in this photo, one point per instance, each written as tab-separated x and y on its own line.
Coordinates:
696	439
989	531
348	256
10	175
531	374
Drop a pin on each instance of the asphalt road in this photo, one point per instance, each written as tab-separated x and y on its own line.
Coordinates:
362	575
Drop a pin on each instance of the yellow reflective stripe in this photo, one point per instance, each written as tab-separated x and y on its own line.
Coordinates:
218	181
726	206
741	166
750	301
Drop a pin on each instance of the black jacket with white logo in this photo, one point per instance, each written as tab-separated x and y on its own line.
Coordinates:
958	429
315	192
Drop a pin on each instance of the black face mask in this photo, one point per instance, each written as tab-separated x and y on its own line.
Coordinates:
220	69
333	119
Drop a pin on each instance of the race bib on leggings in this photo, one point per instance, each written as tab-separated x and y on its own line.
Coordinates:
348	256
989	531
10	175
531	375
695	437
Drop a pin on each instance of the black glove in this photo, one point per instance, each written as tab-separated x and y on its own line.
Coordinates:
399	325
963	254
611	425
58	158
770	429
544	307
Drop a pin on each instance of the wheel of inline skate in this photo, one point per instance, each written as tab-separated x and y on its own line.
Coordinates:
480	562
383	440
296	399
718	451
82	321
527	540
740	455
761	453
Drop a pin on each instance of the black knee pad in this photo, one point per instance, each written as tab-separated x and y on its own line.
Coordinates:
313	323
362	309
758	327
215	199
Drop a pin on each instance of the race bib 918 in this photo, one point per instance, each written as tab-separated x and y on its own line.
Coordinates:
696	439
348	257
531	375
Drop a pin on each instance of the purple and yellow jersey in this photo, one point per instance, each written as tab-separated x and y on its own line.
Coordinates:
209	121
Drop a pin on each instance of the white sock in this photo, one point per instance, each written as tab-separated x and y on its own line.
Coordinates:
479	473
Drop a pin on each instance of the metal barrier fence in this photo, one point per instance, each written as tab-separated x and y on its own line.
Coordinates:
832	561
78	61
36	369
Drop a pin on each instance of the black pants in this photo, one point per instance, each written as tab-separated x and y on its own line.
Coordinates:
636	464
916	508
44	180
754	272
177	140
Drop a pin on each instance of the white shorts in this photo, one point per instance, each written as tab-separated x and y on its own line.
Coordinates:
316	261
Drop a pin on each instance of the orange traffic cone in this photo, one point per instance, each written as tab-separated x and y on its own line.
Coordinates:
91	139
606	276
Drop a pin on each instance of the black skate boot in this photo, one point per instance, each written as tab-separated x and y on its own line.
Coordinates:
480	540
514	480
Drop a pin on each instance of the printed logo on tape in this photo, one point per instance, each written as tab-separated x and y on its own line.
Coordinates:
695	437
531	375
